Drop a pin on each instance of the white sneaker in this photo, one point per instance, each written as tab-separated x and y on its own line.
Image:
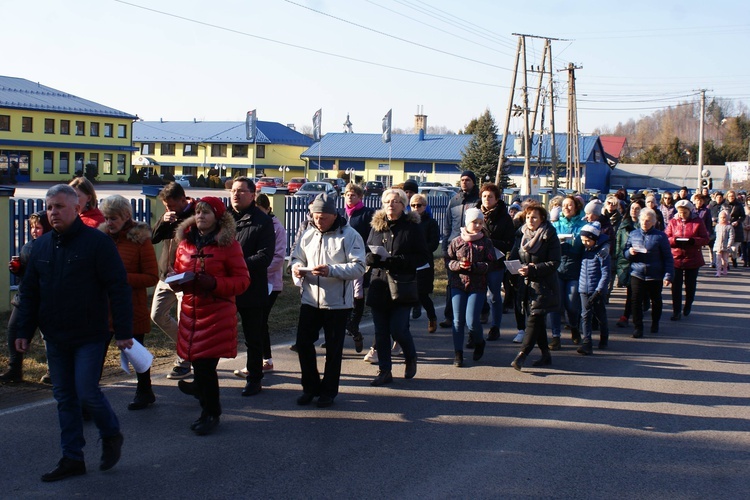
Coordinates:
241	373
372	356
519	337
268	365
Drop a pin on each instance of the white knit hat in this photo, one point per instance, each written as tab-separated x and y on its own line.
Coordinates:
473	214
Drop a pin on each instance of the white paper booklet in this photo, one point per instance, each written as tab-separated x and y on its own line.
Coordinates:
513	266
138	356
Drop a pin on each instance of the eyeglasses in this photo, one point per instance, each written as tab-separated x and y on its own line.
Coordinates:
417	205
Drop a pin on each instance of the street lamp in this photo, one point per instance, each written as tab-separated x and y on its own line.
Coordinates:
282	169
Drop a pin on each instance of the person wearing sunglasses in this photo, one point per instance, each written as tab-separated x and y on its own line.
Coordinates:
426	277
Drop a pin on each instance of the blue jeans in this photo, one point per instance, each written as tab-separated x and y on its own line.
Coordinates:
495	284
467	308
394	323
588	312
571	304
75	371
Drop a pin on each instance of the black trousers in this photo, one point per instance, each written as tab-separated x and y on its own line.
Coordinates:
640	290
536	333
253	320
690	278
266	333
333	323
426	301
207	385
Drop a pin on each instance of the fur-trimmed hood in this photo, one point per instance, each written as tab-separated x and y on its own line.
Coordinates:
137	232
225	236
380	220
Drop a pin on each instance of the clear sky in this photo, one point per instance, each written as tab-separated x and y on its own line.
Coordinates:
215	60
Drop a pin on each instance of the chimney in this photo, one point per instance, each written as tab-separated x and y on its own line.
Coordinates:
420	122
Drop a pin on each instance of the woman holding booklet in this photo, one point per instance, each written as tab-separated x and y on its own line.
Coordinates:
652	267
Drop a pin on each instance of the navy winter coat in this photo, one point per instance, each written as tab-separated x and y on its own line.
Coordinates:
595	268
657	263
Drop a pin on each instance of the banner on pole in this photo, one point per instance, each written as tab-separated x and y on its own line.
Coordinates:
251	125
316	124
387	126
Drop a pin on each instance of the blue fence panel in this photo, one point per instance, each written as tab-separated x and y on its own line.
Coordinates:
295	212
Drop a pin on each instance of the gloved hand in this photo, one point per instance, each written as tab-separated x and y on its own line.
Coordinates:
205	282
373	260
595	297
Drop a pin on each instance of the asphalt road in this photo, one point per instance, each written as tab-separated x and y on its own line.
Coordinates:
666	416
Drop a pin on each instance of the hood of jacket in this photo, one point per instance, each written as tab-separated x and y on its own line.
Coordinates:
380	220
137	232
225	236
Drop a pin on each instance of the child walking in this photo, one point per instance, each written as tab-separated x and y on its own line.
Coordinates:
723	243
592	285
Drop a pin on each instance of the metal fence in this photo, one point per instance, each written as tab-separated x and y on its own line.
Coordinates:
295	212
21	209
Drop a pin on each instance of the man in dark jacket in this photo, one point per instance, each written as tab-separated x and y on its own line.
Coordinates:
74	279
257	239
178	208
454	220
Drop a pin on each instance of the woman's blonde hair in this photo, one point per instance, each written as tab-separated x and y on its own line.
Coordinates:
399	192
116	205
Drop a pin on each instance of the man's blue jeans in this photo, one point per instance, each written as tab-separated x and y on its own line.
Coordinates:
467	309
571	303
495	285
75	372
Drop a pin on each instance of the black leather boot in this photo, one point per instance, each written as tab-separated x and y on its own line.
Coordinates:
545	360
518	362
15	369
575	335
144	395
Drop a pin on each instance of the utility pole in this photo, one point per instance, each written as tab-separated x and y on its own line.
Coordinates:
528	129
700	138
573	162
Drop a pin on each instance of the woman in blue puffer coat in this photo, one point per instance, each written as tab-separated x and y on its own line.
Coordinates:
652	267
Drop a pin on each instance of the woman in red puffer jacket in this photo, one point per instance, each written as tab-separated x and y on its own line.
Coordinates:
687	234
208	315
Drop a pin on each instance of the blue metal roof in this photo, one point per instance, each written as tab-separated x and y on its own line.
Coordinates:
217	132
403	147
438	148
19	93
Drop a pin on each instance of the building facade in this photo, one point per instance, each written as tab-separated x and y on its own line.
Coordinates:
49	135
195	148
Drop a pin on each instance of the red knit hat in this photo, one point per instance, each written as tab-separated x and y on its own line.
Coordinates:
216	205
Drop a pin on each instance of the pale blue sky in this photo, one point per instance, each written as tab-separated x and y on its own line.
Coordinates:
286	60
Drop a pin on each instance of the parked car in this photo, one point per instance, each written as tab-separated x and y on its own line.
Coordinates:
295	183
431	184
374	188
312	189
338	184
185	180
268	182
436	191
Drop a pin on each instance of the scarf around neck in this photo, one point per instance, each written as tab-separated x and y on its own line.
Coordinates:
531	241
467	236
351	210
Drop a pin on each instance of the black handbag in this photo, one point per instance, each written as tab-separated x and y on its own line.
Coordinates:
403	288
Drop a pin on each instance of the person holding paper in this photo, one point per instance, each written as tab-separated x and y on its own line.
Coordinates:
328	258
208	314
687	235
470	257
133	241
400	234
652	267
74	280
538	248
628	225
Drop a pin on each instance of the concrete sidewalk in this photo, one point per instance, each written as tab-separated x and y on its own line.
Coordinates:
666	416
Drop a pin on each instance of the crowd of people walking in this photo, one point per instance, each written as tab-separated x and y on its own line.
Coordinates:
555	265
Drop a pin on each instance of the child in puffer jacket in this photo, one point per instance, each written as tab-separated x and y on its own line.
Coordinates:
592	285
723	243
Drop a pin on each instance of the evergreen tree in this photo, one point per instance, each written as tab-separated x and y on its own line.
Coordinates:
483	152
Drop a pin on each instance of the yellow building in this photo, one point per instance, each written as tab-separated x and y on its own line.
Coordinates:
195	148
49	135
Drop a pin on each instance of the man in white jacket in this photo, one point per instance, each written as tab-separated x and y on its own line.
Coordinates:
329	256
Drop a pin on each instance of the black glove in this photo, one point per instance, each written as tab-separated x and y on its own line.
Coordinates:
373	260
595	297
205	282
